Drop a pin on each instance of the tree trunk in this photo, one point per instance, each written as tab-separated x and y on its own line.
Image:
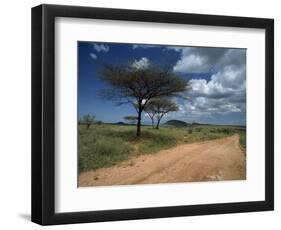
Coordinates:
139	123
158	122
152	121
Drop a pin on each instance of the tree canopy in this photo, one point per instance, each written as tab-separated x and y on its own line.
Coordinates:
137	86
131	119
87	119
157	108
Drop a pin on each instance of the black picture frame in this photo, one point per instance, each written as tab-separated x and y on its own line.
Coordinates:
43	114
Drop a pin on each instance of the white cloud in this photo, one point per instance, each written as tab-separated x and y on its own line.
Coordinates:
202	87
98	48
141	64
192	60
143	46
190	63
231	77
101	47
93	56
204	59
224	83
224	93
202	108
218	98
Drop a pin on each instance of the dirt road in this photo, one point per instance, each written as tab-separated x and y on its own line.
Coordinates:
220	159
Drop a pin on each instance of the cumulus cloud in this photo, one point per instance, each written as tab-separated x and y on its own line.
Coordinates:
141	64
224	83
217	98
204	59
203	105
190	63
98	48
93	56
221	94
101	47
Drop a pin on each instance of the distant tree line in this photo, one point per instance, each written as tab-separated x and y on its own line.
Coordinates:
131	119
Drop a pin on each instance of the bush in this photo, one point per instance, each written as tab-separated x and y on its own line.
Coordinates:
242	140
226	130
198	130
156	141
190	131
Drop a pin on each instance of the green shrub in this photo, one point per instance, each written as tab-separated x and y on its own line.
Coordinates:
156	141
242	140
99	122
198	129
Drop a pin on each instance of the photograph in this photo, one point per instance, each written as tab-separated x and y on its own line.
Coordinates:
142	114
150	113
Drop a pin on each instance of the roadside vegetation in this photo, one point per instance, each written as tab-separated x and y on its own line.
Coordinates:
242	134
104	145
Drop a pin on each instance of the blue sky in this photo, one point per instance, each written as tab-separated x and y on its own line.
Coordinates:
217	77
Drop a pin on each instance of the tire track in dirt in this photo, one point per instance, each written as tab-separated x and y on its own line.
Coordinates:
220	159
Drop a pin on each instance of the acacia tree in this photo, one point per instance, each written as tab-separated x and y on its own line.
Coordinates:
87	119
151	112
138	85
157	108
131	119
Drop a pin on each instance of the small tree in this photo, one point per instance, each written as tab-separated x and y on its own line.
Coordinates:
99	122
87	119
151	112
138	85
157	108
131	119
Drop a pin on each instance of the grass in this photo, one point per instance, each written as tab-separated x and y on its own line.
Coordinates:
97	151
242	140
154	140
105	145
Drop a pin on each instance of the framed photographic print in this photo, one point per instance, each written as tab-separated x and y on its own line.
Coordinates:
136	114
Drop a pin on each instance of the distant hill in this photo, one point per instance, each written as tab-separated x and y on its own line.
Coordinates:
176	123
120	123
